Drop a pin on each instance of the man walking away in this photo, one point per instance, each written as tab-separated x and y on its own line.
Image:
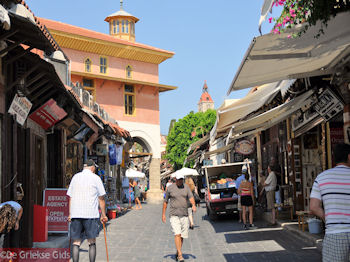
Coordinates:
86	193
270	187
332	189
179	194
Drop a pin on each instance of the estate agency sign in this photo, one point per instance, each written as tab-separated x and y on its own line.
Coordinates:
48	114
56	201
20	107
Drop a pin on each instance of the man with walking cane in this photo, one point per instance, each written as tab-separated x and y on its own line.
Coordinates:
86	193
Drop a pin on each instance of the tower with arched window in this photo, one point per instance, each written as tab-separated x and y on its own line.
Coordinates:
122	24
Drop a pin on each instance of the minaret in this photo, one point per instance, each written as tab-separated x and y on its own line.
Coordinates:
122	24
205	102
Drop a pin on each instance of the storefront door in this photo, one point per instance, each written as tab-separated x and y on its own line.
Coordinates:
38	170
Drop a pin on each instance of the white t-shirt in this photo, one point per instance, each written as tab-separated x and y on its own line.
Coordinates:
84	190
14	204
168	184
271	181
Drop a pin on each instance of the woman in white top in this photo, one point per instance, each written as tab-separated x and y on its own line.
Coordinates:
10	215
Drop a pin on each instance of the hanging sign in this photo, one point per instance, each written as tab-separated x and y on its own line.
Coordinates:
56	201
48	114
244	147
101	149
20	107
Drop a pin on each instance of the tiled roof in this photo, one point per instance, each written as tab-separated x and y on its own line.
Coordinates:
70	90
205	97
120	131
121	13
41	26
75	30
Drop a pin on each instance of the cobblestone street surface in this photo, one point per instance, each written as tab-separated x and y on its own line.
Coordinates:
139	235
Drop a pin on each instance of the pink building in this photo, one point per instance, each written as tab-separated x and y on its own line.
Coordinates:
121	75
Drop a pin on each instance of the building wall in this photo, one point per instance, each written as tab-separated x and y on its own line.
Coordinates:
116	67
204	106
147	132
110	95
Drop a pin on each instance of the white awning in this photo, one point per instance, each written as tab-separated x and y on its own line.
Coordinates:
227	116
4	18
131	173
265	9
219	150
273	57
198	143
271	117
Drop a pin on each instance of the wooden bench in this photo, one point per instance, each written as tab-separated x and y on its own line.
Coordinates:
301	219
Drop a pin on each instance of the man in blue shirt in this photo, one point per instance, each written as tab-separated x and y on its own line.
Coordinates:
238	183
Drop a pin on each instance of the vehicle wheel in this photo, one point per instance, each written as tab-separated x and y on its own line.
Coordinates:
211	215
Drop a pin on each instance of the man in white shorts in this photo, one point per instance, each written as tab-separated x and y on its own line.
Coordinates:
179	195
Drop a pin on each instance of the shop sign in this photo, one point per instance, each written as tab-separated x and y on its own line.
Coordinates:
337	135
244	147
20	107
328	105
48	114
56	201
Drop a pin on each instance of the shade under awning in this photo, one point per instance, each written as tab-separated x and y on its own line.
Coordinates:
262	95
271	117
273	57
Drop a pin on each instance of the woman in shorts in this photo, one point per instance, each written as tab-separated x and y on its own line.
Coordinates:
137	194
246	191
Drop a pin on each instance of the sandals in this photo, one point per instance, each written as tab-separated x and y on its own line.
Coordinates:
177	258
180	259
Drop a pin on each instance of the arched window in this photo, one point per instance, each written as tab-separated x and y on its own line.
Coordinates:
128	72
88	64
118	27
127	27
123	26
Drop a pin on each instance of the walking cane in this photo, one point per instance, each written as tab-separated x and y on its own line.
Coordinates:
104	231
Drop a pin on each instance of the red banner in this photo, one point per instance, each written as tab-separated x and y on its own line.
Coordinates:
48	114
35	254
56	201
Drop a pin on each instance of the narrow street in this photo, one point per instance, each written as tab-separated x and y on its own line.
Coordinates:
139	235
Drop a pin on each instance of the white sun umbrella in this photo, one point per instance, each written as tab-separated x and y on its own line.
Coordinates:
185	171
131	173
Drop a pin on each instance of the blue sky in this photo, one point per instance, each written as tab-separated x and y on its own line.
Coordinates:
209	39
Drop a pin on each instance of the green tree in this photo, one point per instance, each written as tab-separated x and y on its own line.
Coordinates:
185	132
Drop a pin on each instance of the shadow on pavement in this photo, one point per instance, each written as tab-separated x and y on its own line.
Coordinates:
222	222
185	256
269	244
273	256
